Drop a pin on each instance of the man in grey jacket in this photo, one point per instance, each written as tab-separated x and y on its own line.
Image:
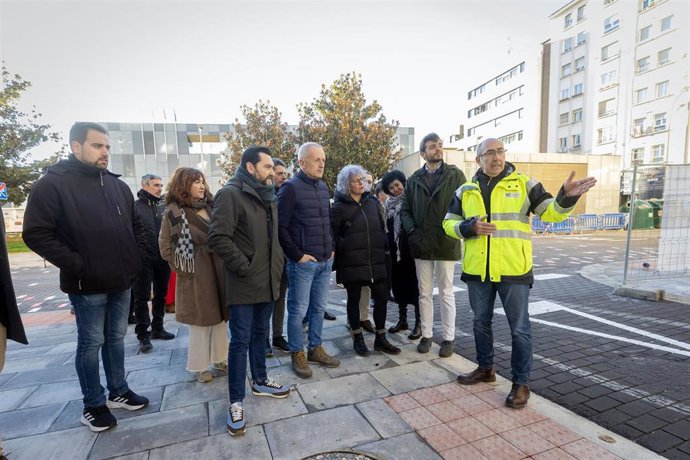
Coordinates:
244	234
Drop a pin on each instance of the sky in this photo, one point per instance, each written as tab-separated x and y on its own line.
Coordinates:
127	61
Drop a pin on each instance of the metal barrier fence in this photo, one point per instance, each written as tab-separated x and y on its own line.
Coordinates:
581	223
658	244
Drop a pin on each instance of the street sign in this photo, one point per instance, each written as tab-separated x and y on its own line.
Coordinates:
3	191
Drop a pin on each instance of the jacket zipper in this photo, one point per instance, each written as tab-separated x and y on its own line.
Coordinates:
366	222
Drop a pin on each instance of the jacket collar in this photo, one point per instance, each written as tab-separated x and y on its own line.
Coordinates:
301	175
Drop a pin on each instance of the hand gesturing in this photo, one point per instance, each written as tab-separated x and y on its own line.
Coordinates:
578	187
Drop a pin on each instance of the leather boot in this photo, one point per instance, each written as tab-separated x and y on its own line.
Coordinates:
417	331
477	375
359	345
518	396
381	343
401	325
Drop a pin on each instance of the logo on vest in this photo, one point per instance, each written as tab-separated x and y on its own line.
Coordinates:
512	194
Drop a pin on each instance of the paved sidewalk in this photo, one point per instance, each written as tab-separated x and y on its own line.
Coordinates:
405	406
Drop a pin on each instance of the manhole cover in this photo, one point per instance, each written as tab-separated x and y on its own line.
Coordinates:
339	455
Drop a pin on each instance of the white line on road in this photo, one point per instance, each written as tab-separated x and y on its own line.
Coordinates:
550	276
50	297
21	296
34	310
455	289
33	284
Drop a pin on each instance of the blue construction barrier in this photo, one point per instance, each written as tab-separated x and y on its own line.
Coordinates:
586	222
567	226
537	225
613	221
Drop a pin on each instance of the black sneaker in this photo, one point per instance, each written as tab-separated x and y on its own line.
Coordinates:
145	345
129	401
424	345
98	418
328	316
162	335
281	344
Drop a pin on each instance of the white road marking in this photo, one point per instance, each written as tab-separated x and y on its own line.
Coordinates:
62	305
34	310
455	289
21	296
50	297
33	284
549	276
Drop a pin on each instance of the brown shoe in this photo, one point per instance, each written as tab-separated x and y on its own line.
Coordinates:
318	355
300	365
367	326
477	375
519	394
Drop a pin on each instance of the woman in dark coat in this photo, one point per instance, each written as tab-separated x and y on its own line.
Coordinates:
404	276
360	253
199	294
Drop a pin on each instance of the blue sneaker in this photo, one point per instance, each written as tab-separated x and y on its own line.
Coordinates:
236	424
270	388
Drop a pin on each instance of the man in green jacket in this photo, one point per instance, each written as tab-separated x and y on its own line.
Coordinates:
428	192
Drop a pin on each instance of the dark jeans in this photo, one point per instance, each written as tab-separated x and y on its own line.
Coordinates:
248	329
158	275
379	292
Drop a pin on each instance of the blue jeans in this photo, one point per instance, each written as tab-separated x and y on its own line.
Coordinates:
307	296
248	326
515	301
101	327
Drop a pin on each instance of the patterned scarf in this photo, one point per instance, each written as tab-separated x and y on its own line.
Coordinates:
181	239
393	205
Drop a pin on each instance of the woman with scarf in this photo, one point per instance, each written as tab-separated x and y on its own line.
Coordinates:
404	276
199	296
360	253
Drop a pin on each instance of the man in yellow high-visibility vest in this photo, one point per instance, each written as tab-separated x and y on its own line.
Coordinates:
491	212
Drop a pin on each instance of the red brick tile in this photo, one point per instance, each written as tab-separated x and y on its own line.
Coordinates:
419	418
478	387
446	411
427	396
553	454
471	404
585	450
553	432
527	441
524	416
497	421
452	390
440	437
470	429
497	448
464	452
493	397
401	402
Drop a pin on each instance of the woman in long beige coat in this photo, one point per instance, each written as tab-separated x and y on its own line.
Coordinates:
199	298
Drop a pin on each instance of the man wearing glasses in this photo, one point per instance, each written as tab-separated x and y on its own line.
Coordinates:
428	193
491	212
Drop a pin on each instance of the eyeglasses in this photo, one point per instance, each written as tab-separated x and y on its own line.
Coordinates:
361	180
493	153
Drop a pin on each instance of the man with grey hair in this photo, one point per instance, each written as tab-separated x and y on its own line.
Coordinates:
307	240
156	271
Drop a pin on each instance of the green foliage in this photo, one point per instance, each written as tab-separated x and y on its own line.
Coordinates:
20	132
263	126
350	130
15	243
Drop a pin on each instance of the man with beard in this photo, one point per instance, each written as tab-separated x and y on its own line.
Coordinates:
244	233
428	192
156	271
491	213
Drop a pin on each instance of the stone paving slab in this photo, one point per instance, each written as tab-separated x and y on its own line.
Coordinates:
309	434
67	444
412	376
11	399
39	376
27	422
349	389
191	393
408	445
252	445
358	364
53	392
35	362
154	377
384	419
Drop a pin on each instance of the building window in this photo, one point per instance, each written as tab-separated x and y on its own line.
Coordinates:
664	56
581	13
604	135
576	141
647	4
662	89
607	107
567	44
581	38
563	144
609	51
658	153
644	33
568	20
660	121
577	89
638	127
577	115
566	70
643	64
565	93
579	64
611	23
564	118
609	78
637	154
666	23
641	95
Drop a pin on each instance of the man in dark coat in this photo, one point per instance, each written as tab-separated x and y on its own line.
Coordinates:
244	234
156	271
81	218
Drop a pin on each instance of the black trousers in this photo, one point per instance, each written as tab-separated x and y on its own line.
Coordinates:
379	292
157	275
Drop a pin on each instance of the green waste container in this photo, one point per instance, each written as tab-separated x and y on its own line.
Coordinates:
643	217
657	210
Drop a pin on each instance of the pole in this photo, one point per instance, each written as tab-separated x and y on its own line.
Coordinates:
202	165
630	222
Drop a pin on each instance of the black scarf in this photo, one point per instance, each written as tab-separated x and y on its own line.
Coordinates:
265	192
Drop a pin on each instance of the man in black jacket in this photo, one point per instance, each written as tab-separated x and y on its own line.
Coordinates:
244	234
156	270
81	218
